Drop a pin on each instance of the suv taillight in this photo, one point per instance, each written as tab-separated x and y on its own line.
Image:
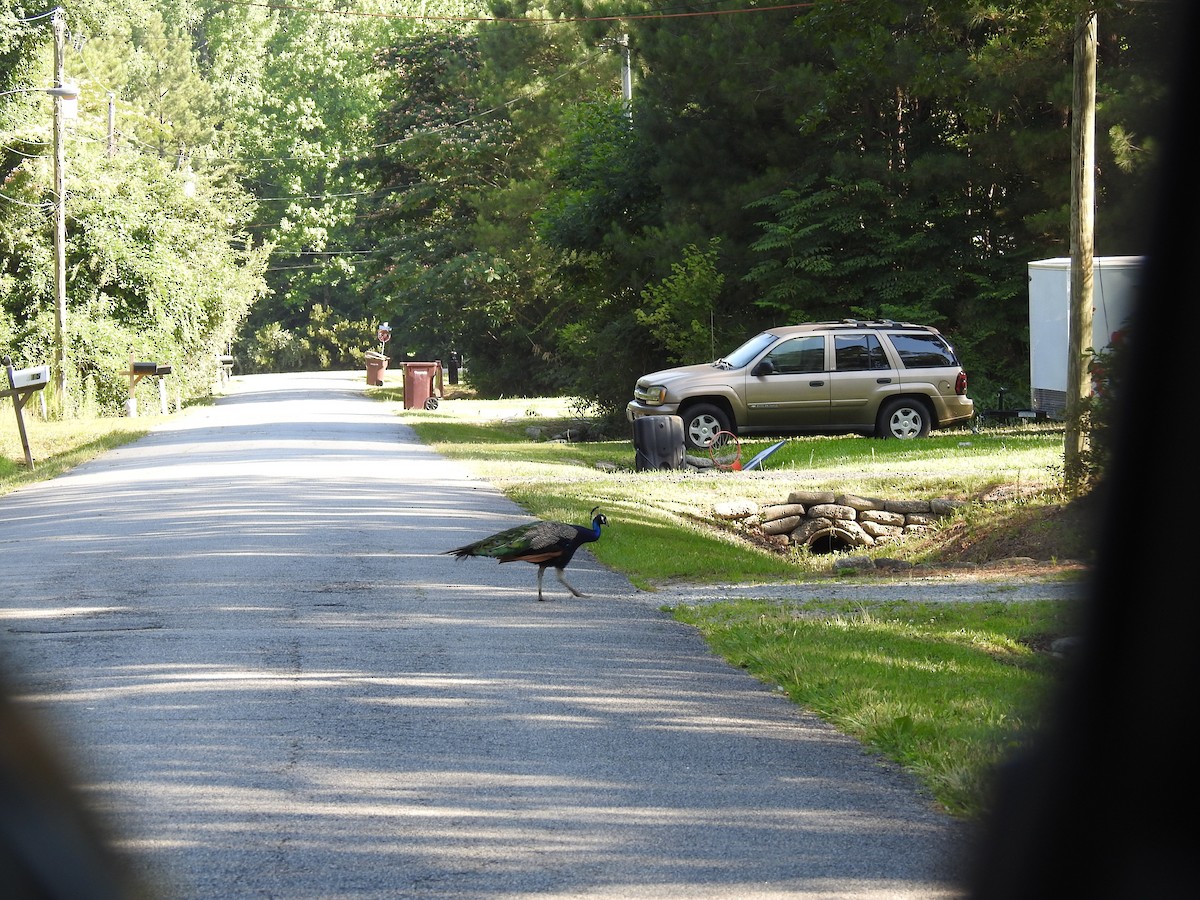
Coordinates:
960	384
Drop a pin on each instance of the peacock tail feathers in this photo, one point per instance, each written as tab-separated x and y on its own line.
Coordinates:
534	538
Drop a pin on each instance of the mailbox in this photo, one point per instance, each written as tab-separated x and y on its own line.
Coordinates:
23	383
37	377
148	368
139	369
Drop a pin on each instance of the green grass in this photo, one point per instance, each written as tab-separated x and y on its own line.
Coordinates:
663	527
57	446
946	690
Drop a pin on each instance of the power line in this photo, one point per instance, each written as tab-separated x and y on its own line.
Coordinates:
45	15
25	204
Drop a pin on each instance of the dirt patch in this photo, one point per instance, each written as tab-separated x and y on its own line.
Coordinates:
1013	535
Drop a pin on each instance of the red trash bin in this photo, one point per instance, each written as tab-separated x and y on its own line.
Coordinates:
422	384
376	363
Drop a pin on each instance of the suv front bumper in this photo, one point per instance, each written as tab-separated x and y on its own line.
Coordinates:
635	410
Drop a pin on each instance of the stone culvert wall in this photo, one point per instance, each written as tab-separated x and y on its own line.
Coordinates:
827	522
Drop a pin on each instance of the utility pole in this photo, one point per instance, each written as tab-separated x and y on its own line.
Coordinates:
60	221
626	75
1083	191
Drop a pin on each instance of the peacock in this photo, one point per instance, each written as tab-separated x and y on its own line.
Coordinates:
544	544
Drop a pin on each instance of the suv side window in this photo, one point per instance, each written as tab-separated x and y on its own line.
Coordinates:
799	356
858	352
922	351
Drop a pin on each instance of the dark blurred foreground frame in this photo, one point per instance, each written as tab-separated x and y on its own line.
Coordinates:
1103	805
51	846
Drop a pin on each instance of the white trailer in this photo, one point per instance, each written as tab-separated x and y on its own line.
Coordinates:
1115	281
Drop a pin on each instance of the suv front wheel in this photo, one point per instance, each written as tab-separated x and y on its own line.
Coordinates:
701	424
903	419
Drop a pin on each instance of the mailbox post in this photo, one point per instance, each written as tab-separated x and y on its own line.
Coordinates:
138	371
22	384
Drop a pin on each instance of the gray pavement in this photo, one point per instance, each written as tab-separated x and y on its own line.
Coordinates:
273	684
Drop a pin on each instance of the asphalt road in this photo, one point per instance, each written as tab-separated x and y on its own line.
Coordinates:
273	683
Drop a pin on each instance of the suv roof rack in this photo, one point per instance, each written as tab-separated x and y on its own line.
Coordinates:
871	323
835	324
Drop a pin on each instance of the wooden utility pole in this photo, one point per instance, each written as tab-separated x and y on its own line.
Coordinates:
60	221
626	75
1083	193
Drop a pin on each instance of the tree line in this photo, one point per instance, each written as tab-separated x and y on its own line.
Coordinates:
566	194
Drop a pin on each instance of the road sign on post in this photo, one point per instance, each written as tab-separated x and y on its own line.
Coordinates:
383	335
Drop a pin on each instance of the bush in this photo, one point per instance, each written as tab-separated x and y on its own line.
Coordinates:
1107	368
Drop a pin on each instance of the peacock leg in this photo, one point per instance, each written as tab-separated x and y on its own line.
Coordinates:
563	578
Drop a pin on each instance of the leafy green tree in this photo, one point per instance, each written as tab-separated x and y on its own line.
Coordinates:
165	104
163	267
300	90
22	38
442	149
885	159
680	307
601	180
553	83
154	270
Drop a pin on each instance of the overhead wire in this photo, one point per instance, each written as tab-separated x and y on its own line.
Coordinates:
46	15
14	200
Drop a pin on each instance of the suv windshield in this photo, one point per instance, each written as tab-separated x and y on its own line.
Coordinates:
743	354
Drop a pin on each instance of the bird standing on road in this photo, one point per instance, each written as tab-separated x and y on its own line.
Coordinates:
544	544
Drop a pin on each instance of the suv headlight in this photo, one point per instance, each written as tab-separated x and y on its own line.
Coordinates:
650	394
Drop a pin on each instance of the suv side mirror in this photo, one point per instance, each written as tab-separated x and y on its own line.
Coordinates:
766	367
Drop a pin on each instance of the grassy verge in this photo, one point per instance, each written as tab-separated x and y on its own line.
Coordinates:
945	690
57	446
664	529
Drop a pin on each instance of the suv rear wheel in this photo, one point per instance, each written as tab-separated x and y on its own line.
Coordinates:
903	419
701	424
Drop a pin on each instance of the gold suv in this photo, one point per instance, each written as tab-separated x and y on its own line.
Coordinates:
889	379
